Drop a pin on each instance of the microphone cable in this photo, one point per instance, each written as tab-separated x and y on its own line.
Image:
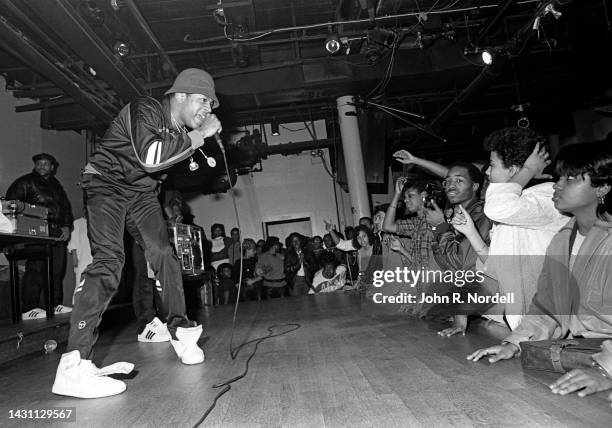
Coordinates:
227	384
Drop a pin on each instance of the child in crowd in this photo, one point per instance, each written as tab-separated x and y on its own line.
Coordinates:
524	218
225	286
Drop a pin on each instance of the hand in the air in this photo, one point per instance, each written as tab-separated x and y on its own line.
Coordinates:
404	156
537	161
399	185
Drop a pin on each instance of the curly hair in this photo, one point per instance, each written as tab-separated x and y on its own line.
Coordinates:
512	145
595	160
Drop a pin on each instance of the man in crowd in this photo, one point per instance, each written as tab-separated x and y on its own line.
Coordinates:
120	183
41	188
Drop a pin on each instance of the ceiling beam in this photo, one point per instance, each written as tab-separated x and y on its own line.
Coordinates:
14	41
147	30
70	26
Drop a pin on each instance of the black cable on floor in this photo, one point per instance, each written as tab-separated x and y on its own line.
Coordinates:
234	352
227	384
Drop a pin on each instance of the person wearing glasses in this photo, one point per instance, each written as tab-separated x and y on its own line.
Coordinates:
121	182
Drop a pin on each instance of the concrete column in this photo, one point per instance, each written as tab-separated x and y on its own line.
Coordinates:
353	157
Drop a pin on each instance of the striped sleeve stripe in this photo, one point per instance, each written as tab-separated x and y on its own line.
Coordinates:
153	153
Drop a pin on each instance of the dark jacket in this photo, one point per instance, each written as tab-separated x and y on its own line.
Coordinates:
293	263
49	193
140	142
452	250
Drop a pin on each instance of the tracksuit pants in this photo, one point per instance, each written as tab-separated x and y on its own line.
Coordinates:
110	208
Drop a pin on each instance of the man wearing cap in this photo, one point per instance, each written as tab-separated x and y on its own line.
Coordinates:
41	188
120	183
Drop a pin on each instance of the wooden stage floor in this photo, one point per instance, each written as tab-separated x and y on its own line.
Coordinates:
350	364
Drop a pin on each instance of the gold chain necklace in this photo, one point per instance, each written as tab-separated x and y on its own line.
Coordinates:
177	125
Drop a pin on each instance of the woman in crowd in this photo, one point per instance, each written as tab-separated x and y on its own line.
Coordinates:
369	255
270	268
574	294
220	244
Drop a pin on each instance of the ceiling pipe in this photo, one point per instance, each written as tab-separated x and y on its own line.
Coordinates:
72	28
145	27
14	41
493	22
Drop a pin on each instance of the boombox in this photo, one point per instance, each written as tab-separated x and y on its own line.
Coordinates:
26	219
187	241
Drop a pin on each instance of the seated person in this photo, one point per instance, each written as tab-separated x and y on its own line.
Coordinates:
251	283
225	283
525	218
331	277
270	267
574	294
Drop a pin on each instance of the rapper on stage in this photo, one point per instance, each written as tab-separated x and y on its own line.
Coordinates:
120	183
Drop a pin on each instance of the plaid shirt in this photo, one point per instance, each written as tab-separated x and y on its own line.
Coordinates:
420	238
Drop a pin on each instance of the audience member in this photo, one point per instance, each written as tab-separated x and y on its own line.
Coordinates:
270	267
251	282
525	218
452	251
220	244
575	286
331	277
234	250
300	265
225	283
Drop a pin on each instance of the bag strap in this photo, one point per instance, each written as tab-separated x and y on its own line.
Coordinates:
555	356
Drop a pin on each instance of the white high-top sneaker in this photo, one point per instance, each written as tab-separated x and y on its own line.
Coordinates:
155	331
186	347
82	379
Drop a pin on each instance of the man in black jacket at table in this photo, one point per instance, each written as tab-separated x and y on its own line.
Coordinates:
41	188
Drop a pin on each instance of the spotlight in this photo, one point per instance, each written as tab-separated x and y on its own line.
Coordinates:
275	127
121	48
487	56
481	56
332	44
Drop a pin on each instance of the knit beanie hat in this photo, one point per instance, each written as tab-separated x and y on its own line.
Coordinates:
195	81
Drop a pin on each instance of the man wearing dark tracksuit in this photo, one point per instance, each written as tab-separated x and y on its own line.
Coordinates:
120	185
